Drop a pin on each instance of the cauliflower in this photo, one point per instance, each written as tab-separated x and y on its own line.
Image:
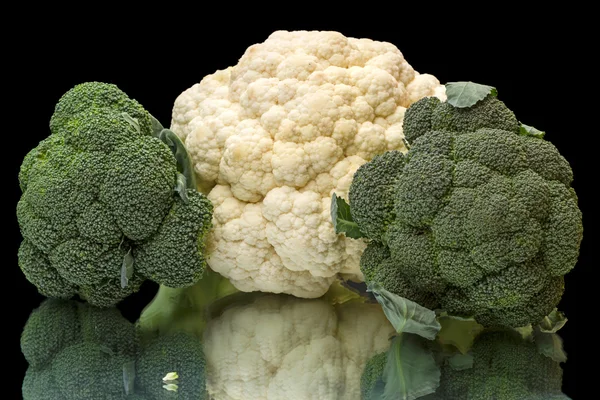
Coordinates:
281	347
273	137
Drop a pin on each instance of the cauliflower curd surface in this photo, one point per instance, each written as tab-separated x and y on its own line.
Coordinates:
273	137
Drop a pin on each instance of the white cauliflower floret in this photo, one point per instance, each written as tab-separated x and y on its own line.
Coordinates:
281	347
276	133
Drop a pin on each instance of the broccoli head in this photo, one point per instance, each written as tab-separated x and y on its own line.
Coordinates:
505	366
99	212
478	217
76	351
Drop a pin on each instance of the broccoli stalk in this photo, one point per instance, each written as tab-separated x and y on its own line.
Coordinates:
183	309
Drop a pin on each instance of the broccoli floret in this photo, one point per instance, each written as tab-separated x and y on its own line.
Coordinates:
40	385
375	213
176	243
178	353
49	329
535	309
378	266
430	114
88	370
505	366
102	189
477	214
138	186
487	113
76	351
96	95
417	119
371	376
36	268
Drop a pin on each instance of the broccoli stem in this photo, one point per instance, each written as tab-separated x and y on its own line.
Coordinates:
183	309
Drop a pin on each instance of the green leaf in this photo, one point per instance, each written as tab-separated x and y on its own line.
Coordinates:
181	187
467	94
171	387
156	126
171	376
342	219
134	122
129	377
550	345
458	332
410	371
553	322
126	269
184	162
460	362
527	130
405	315
106	350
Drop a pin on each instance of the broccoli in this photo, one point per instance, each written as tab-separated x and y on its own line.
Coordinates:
371	376
477	218
40	385
79	351
76	351
178	353
99	212
378	266
506	365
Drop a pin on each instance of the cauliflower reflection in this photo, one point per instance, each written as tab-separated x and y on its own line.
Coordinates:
281	347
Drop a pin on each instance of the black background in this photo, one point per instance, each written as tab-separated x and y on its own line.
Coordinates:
540	65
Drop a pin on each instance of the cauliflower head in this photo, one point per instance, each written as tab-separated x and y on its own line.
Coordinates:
282	347
273	137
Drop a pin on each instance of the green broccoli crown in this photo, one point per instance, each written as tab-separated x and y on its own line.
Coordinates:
76	351
178	353
505	366
100	189
476	213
